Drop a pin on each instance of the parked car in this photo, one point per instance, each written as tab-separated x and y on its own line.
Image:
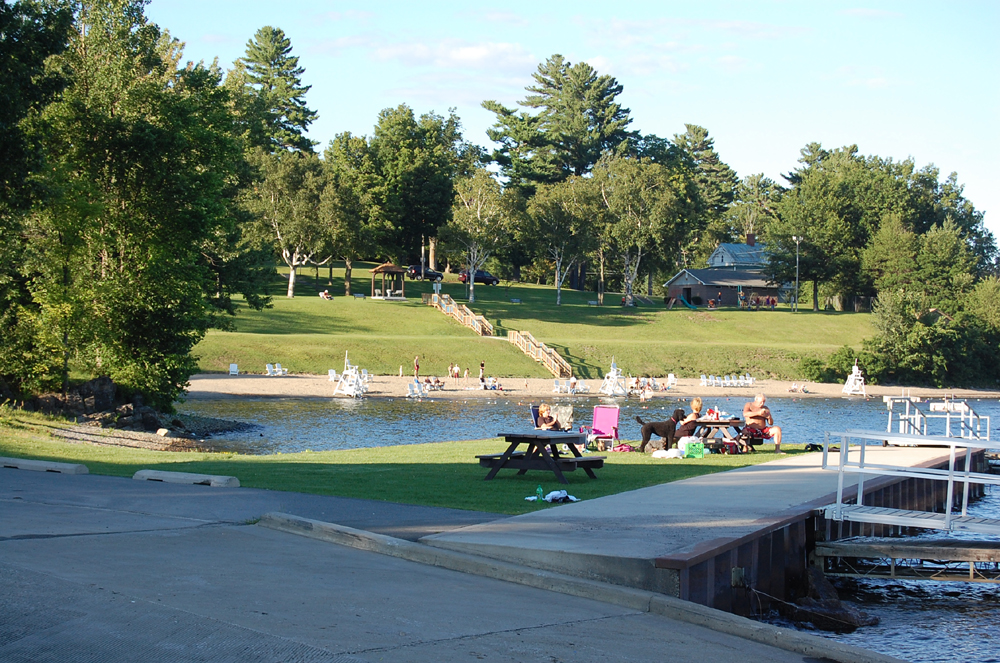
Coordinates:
413	271
481	277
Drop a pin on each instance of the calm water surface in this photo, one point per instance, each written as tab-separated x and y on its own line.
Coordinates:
297	424
921	621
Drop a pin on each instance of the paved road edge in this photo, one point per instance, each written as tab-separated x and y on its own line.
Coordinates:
660	604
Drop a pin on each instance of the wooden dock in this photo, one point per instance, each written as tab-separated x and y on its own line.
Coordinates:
912	559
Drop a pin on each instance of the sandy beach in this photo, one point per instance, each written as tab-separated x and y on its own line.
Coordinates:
210	385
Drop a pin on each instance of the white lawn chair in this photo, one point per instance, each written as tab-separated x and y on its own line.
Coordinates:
410	393
333	374
704	381
234	369
270	370
728	381
711	381
582	387
418	389
741	381
365	376
672	380
279	370
750	380
557	387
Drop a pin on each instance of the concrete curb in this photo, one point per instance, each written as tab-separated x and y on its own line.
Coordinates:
634	599
43	466
218	481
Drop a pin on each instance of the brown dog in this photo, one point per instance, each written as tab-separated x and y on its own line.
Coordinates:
665	429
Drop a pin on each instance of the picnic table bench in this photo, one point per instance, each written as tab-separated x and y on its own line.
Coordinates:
542	453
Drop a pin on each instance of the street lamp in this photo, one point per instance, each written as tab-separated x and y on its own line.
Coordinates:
796	239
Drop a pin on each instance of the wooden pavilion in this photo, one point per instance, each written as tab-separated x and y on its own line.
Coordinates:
393	286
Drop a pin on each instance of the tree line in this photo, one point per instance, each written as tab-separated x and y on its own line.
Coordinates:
142	195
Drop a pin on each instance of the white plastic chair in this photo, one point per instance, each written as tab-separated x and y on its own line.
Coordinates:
270	370
234	369
704	381
672	380
279	370
333	374
556	387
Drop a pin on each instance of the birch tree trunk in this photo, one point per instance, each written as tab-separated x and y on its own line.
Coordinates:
347	277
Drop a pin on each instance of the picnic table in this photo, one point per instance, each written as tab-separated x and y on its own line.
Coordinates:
710	428
542	453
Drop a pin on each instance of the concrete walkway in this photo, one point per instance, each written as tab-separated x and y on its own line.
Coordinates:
105	569
666	520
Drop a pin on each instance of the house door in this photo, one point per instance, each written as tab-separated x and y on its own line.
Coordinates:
687	295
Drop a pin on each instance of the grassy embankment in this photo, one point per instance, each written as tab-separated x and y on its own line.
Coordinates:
443	474
309	335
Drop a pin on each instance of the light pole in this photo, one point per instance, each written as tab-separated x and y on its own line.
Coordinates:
796	239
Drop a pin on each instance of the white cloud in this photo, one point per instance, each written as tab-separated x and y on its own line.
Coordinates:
460	54
349	15
862	12
732	62
506	17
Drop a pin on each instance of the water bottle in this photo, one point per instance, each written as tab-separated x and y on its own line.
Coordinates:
539	493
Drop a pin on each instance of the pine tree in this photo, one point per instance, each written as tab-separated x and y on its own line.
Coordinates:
275	75
578	121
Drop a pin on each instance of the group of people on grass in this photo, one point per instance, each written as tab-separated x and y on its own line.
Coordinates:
756	415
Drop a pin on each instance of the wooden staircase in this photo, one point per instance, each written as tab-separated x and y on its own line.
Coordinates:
540	352
535	349
460	312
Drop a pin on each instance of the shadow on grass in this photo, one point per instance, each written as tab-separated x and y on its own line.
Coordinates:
452	485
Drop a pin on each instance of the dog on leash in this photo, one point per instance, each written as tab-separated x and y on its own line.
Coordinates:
665	429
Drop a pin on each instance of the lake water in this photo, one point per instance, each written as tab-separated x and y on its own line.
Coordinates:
297	424
920	620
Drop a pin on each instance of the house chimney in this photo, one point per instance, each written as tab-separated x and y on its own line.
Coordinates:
751	239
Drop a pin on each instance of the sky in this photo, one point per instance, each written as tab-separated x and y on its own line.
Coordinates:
898	79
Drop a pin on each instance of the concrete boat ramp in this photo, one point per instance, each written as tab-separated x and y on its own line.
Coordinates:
685	538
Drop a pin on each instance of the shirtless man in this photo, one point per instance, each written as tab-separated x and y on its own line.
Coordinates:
758	416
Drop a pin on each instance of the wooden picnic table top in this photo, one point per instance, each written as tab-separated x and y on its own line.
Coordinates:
557	436
542	454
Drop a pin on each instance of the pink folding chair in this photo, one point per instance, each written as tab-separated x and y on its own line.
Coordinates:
605	426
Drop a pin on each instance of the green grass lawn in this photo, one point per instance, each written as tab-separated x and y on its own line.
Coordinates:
310	335
442	474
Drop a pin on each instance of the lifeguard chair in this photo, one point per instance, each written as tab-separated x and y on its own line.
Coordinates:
855	385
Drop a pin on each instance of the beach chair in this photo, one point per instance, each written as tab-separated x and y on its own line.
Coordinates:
270	370
741	381
562	413
234	369
365	376
333	374
604	428
557	387
279	370
672	380
750	380
582	388
718	381
418	389
704	381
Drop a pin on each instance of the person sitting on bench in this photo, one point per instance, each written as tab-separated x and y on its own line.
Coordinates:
758	418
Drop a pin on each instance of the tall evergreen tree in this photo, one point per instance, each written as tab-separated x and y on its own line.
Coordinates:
276	77
578	120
